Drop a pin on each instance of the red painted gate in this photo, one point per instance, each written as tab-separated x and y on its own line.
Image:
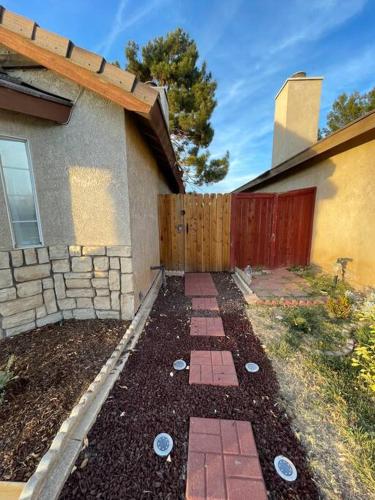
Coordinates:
272	230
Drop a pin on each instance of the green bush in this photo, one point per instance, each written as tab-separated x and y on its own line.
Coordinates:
363	358
6	376
339	307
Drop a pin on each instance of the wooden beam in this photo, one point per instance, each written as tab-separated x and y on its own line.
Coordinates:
73	72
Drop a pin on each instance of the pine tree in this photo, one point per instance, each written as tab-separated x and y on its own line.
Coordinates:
172	62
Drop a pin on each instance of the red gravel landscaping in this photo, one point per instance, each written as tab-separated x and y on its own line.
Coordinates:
54	365
119	461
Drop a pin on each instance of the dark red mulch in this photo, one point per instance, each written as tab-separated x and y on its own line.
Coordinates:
54	364
119	461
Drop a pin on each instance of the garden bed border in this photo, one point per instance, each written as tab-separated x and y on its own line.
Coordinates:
55	466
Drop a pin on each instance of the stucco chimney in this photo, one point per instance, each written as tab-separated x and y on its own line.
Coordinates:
297	107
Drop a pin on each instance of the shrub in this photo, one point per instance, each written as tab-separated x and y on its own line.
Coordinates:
6	376
340	307
364	353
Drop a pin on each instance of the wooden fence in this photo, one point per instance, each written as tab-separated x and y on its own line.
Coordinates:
195	232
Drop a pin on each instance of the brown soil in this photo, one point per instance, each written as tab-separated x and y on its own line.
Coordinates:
54	365
119	461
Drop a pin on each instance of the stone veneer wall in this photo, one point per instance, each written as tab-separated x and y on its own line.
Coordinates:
45	285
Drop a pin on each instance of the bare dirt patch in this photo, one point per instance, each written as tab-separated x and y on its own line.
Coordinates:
119	461
53	367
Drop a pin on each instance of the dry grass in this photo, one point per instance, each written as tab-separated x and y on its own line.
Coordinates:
339	446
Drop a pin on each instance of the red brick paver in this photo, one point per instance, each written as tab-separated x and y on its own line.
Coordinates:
223	462
205	304
199	284
206	326
212	368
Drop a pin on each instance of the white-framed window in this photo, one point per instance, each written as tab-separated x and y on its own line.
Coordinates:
19	188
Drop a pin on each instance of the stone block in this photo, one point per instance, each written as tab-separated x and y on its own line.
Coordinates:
102	292
20	329
102	303
80	292
127	283
41	312
4	260
8	294
119	251
114	280
30	273
58	252
43	257
77	276
84	314
29	288
101	263
67	314
126	265
50	301
81	264
51	318
47	283
59	286
18	319
17	258
30	256
127	306
78	283
20	305
99	282
100	274
85	303
114	263
108	314
6	279
75	251
61	266
67	303
115	301
93	251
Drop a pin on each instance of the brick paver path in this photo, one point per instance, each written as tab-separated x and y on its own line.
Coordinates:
223	462
205	304
212	368
199	285
207	326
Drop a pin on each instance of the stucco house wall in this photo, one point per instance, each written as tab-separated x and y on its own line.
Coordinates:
344	219
96	185
145	184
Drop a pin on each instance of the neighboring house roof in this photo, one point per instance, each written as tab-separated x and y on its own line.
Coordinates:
93	72
355	133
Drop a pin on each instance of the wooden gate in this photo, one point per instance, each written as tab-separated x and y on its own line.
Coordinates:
195	232
272	230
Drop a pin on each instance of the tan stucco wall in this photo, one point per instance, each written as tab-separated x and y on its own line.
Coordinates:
145	183
79	168
344	220
296	117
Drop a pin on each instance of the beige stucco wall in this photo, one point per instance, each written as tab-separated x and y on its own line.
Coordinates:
344	220
79	168
296	117
145	183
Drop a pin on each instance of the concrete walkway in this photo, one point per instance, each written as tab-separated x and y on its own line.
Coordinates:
223	462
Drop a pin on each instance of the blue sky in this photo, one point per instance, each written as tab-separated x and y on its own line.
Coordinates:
251	47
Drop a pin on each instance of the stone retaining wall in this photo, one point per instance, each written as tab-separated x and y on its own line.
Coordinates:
45	285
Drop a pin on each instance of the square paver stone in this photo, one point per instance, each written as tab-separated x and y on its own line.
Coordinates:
212	327
199	285
205	304
212	368
223	461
